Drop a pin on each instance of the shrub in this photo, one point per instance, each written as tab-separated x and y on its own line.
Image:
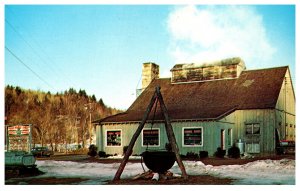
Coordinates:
192	155
220	153
102	154
280	151
234	152
124	150
92	151
80	151
203	154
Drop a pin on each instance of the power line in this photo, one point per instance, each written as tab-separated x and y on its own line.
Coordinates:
30	46
34	51
17	32
28	67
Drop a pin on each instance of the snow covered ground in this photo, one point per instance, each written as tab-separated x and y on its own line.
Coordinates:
261	172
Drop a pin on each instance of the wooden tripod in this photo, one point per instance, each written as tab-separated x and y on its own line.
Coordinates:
169	130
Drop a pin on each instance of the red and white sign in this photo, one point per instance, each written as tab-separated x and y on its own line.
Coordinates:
18	130
19	137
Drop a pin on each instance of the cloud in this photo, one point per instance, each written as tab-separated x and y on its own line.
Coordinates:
207	33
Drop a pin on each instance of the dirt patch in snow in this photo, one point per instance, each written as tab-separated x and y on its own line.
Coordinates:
192	180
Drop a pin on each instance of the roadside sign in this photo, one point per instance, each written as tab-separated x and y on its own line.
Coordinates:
19	137
19	130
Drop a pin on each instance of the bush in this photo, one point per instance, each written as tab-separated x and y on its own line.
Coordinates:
92	151
220	153
102	154
234	152
203	154
280	151
125	149
192	155
189	155
80	151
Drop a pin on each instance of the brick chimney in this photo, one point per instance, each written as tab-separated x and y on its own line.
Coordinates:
150	72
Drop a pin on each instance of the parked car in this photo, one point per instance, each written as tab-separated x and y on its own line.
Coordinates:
283	146
41	151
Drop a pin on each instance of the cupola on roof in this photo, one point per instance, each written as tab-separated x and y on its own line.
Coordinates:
194	72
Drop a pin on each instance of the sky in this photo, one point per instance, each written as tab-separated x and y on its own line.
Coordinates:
101	48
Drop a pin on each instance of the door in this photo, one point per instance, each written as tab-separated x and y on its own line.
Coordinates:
252	138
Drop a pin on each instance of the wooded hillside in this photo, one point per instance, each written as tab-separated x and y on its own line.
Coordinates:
63	118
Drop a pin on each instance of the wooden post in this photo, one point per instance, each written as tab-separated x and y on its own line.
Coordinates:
170	133
169	130
134	138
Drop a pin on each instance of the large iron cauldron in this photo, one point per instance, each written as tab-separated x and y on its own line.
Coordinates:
159	161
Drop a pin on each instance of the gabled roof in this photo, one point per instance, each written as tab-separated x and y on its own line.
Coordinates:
254	89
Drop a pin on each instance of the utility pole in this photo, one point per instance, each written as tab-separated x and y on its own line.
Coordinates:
88	107
90	126
77	121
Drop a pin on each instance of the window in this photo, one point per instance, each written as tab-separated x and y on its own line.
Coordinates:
113	138
252	129
192	136
150	137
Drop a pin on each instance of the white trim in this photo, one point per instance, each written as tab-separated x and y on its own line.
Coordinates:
182	136
105	136
158	137
223	135
230	132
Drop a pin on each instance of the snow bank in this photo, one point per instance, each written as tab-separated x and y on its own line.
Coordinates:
261	172
264	172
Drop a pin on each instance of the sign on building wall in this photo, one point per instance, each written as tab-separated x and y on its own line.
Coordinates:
18	138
